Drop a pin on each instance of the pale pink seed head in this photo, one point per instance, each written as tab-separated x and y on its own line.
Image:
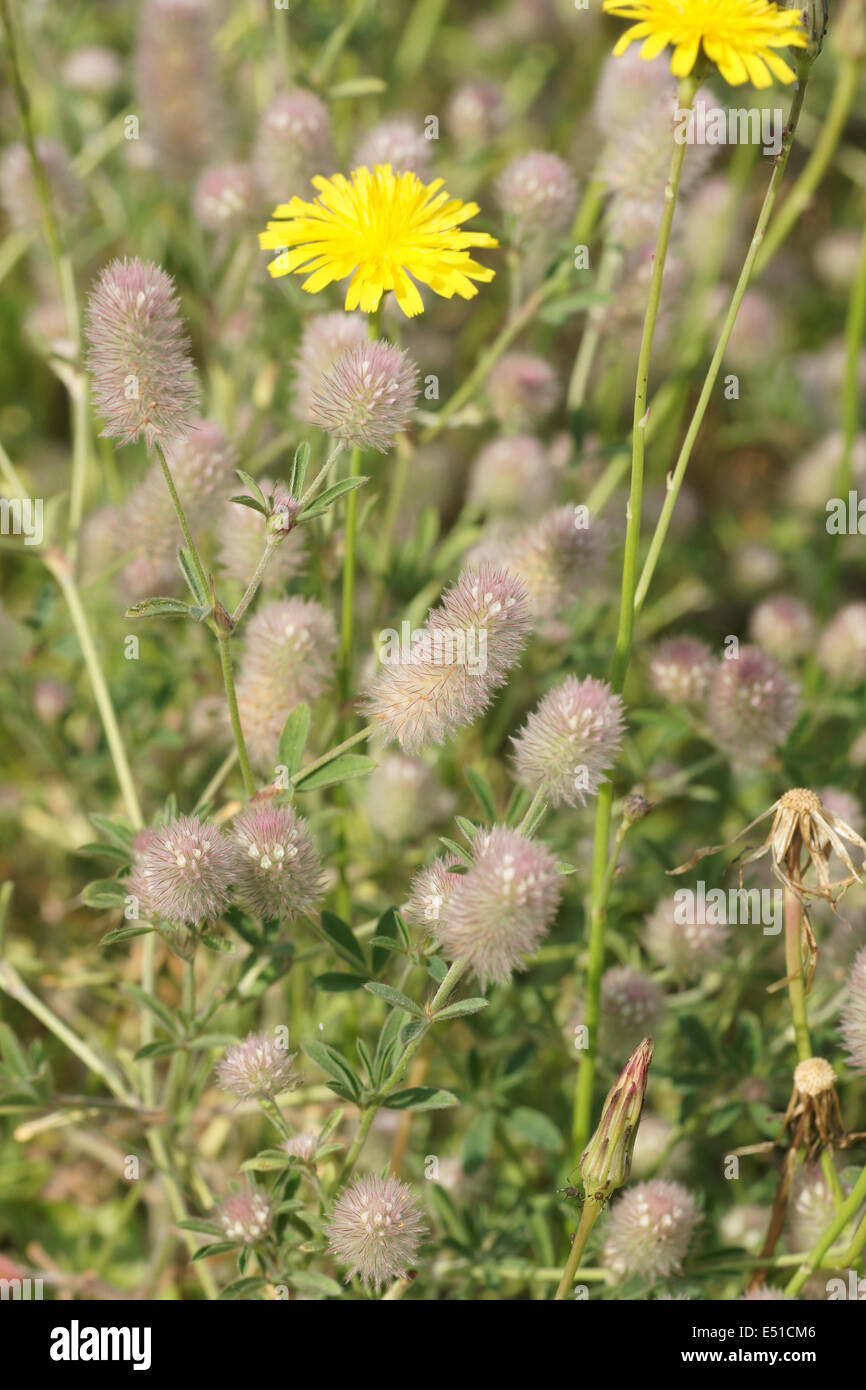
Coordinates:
257	1067
570	741
375	1229
367	397
277	872
650	1230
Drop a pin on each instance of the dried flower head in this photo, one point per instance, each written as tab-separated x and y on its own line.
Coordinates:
569	741
288	658
752	706
257	1067
246	1217
293	142
522	389
650	1230
375	1229
502	908
386	230
511	476
854	1016
277	872
19	192
144	381
182	872
324	339
398	141
367	397
176	82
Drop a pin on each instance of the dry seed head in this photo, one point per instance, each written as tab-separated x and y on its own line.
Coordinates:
800	800
814	1076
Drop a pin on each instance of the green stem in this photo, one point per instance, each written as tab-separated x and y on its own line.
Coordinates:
854	331
844	1214
676	479
234	714
611	260
184	524
602	876
801	194
347	625
589	1216
252	587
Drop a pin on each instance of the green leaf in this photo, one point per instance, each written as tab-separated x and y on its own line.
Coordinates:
268	1161
393	996
158	608
338	982
104	893
156	1049
332	1062
219	1247
457	850
358	87
250	483
98	850
201	1228
293	739
308	1281
483	794
240	1288
387	931
243	501
340	769
115	831
190	574
13	1054
156	1007
218	944
331	494
123	934
299	469
342	938
461	1008
420	1098
477	1142
535	1127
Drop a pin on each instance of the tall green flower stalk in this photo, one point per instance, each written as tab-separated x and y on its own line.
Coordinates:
601	879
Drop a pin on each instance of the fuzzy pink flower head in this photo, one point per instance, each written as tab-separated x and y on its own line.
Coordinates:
502	908
246	1217
431	892
522	389
324	339
752	707
539	192
144	382
175	69
224	196
302	1146
559	558
512	477
475	113
277	872
783	626
493	601
293	142
367	397
681	669
398	141
375	1229
631	1007
854	1016
684	948
650	1230
842	645
288	658
447	681
183	871
812	1207
257	1067
93	69
570	741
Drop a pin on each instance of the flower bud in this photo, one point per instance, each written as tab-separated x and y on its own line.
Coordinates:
813	19
606	1161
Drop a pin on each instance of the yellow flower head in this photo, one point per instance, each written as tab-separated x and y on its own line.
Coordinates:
383	229
739	36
